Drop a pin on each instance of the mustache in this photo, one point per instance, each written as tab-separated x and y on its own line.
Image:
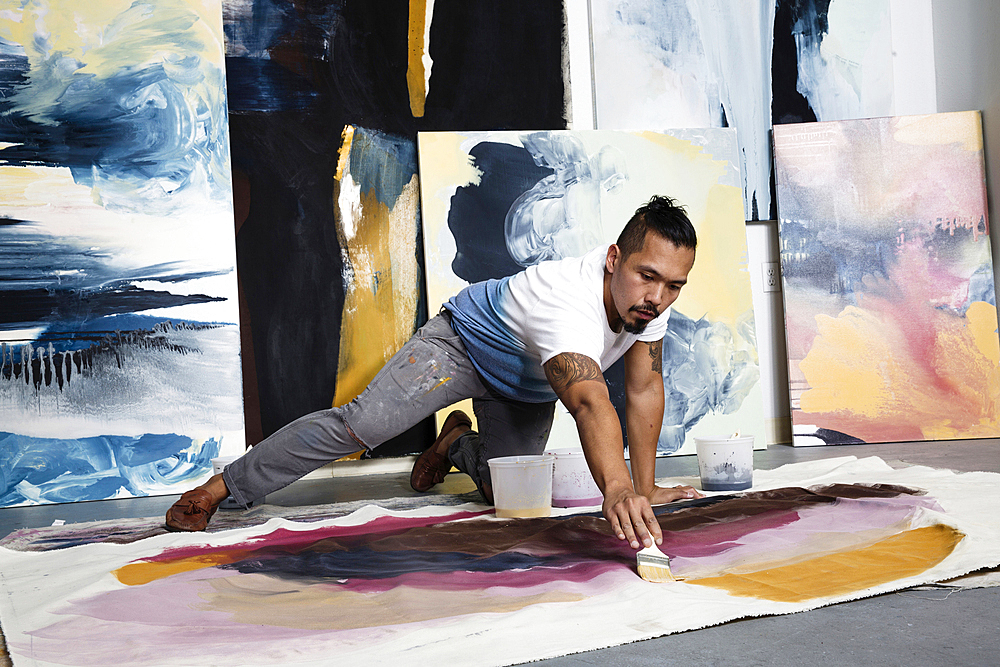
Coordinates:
648	311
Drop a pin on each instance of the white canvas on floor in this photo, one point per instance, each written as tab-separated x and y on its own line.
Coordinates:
130	605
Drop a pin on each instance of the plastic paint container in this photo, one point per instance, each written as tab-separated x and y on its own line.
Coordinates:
572	483
218	465
725	463
522	485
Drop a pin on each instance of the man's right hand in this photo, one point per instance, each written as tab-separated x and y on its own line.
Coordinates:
631	517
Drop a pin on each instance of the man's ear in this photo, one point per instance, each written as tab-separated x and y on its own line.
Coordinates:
613	254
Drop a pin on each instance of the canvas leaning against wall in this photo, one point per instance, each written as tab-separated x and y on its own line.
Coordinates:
888	279
497	202
119	338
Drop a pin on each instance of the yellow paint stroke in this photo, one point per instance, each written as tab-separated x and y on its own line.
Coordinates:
861	370
694	177
897	557
449	167
860	381
687	150
262	600
143	572
982	326
344	155
721	260
415	80
17	184
962	128
968	358
443	380
380	304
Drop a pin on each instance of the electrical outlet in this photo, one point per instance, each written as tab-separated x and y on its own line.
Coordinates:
772	276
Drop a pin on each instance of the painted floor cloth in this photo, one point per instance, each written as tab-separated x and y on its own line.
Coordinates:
452	584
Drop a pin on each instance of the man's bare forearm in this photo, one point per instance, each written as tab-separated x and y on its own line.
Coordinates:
644	415
644	410
578	381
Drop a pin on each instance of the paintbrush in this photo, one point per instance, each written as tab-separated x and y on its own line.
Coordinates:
653	565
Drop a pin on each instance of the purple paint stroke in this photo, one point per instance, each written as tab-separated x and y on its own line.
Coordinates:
711	539
846	523
174	622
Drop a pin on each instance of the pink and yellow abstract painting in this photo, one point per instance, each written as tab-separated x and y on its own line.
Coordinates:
888	279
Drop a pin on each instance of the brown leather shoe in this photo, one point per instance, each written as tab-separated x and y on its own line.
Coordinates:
192	511
434	464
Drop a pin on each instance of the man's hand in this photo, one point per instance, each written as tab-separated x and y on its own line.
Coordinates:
631	517
662	496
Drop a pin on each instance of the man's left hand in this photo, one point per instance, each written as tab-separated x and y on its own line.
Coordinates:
662	496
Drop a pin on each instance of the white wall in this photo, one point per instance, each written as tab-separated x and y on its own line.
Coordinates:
913	71
769	314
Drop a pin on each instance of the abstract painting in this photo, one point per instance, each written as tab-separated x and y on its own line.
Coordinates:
325	102
377	199
831	60
689	63
497	202
119	339
454	585
890	308
741	64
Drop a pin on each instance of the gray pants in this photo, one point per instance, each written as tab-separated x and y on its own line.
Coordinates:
430	372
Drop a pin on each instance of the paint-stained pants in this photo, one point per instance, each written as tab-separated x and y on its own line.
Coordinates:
430	372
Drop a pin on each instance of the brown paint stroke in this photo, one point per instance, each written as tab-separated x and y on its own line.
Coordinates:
590	533
783	499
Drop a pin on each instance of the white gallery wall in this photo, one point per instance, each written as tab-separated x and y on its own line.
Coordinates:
946	57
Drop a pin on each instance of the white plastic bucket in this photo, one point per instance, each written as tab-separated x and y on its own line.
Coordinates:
725	463
522	485
219	463
572	483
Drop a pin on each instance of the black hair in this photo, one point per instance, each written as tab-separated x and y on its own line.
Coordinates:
663	216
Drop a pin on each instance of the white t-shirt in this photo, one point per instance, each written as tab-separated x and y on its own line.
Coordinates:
512	326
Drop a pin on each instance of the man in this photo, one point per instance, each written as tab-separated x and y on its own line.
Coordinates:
513	346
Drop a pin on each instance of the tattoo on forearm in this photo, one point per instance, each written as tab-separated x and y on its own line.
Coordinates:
569	368
656	354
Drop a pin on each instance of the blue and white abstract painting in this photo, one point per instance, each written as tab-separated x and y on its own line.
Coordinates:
119	337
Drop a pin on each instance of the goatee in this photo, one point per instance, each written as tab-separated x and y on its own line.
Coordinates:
639	326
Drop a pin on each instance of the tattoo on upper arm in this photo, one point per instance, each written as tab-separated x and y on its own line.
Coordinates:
656	354
569	368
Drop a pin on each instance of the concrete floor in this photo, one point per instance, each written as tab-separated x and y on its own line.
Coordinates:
912	628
